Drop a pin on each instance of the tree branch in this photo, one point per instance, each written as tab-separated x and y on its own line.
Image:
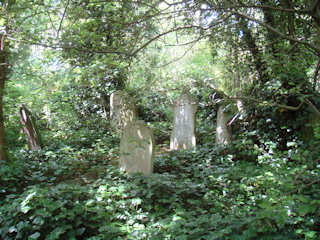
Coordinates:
163	34
291	108
177	29
63	15
313	107
85	50
282	35
176	59
280	9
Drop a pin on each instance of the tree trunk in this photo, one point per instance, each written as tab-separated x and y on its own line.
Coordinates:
3	77
271	37
254	50
314	13
237	84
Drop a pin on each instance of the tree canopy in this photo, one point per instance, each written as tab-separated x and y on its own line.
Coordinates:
252	70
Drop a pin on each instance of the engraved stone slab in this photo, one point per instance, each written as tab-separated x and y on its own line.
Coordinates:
136	148
122	110
223	131
183	134
30	129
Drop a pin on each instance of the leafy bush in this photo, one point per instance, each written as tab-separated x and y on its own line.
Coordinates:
152	107
208	193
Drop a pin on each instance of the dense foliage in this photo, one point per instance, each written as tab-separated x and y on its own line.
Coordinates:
234	192
64	58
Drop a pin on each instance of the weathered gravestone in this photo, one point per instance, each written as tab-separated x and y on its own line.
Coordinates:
223	131
30	129
183	134
122	110
136	148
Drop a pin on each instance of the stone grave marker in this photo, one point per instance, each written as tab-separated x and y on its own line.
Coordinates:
183	134
223	131
122	110
29	128
136	148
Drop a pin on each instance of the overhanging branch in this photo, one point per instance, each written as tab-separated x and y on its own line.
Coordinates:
275	31
313	107
64	47
63	15
286	107
163	34
176	30
290	108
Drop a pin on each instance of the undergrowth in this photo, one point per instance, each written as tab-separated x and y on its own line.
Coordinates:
209	193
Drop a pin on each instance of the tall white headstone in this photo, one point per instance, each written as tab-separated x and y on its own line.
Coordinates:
136	148
122	110
223	131
183	134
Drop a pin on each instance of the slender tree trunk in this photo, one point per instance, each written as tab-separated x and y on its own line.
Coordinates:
291	19
314	13
255	52
237	83
3	77
316	76
271	37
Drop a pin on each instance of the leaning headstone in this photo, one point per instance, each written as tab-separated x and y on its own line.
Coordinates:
183	134
122	110
223	131
30	129
136	148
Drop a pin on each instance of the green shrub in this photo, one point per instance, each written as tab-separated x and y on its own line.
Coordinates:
241	191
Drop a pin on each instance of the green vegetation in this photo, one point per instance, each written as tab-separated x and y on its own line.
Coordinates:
208	193
64	58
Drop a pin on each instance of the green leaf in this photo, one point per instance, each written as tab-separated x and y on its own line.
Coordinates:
310	234
38	220
36	235
55	234
25	209
305	209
